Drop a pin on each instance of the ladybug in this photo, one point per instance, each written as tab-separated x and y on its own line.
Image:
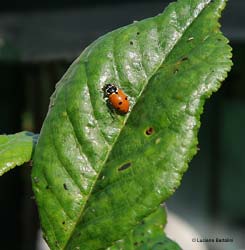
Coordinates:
117	98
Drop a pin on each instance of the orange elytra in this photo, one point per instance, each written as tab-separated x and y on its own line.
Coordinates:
117	98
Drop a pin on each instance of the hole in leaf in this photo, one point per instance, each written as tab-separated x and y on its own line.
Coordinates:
131	42
47	187
138	33
124	166
149	131
63	222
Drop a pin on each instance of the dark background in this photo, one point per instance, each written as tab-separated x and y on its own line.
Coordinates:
40	39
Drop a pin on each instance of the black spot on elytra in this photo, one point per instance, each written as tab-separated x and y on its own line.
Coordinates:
120	103
126	98
65	186
124	166
149	131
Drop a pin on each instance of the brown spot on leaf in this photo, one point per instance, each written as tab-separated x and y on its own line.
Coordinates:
185	58
124	166
65	186
149	131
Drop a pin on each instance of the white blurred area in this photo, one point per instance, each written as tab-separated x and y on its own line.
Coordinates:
195	225
41	244
180	231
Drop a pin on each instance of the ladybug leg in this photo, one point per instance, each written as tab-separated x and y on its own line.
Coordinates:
111	110
104	93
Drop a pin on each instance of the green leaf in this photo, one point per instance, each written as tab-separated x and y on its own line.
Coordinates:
15	150
99	174
148	234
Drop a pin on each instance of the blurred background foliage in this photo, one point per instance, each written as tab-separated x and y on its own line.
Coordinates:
38	42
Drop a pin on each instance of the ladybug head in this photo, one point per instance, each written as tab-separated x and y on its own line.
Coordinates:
110	89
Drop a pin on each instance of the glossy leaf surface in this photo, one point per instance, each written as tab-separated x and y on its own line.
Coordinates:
97	173
15	150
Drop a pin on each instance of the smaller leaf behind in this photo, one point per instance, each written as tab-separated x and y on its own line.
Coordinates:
148	234
16	149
